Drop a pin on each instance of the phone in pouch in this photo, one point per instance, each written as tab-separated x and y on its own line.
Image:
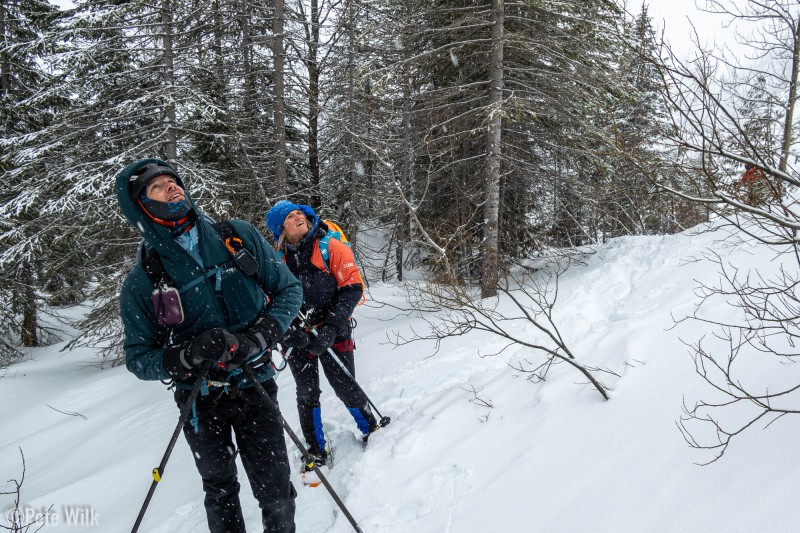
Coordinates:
167	306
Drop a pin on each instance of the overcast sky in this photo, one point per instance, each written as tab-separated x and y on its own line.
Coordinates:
676	18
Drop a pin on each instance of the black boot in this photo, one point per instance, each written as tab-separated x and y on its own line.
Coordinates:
371	420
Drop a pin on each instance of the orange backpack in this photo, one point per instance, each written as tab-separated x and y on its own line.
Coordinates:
335	232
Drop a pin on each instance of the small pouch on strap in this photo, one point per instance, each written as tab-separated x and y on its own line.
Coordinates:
167	305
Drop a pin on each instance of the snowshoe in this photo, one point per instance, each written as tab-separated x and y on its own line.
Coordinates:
323	460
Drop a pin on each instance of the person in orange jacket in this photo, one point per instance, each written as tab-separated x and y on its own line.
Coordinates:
330	294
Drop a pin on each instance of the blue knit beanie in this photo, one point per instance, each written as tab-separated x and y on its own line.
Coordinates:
277	214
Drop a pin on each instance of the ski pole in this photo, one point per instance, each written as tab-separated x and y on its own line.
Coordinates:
307	457
384	420
159	470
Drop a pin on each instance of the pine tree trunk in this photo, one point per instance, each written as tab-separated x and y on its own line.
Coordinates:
218	59
403	230
355	193
490	263
29	314
313	105
399	249
171	145
279	104
5	64
248	100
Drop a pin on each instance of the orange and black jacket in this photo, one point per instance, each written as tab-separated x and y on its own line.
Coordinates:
333	294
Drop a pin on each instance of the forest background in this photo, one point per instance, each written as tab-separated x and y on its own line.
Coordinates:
470	136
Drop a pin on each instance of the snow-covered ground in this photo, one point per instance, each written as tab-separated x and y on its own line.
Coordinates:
550	456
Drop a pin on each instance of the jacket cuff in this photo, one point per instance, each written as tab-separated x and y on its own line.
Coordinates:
266	331
175	363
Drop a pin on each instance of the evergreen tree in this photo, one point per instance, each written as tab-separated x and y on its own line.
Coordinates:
556	81
761	122
362	102
627	200
25	233
128	72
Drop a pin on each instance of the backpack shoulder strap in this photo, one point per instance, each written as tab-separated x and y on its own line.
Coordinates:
228	234
154	268
151	264
323	249
242	258
335	232
343	265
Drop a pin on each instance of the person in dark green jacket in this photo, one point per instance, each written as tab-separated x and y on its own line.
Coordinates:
226	317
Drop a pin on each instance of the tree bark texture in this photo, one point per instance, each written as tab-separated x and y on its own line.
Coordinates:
5	66
490	261
29	314
792	99
171	144
355	192
279	104
313	105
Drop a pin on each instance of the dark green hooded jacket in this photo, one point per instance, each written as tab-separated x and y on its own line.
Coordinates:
235	306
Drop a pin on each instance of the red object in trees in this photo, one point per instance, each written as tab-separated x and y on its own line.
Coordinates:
751	175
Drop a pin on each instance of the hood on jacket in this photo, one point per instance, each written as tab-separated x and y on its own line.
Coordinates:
157	236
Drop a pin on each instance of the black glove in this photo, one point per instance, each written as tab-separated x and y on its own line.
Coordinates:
248	346
324	339
260	336
264	332
296	338
217	345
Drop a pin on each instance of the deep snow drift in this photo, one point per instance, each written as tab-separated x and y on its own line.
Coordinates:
551	456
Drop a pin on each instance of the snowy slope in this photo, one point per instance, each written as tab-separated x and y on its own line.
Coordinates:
551	456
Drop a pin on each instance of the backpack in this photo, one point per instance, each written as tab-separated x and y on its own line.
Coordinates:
154	268
335	232
166	297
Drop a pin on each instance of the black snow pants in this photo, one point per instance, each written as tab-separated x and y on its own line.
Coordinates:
259	437
305	369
